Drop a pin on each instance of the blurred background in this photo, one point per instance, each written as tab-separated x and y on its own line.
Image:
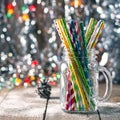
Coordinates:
30	48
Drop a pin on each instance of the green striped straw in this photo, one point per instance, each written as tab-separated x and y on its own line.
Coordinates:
90	29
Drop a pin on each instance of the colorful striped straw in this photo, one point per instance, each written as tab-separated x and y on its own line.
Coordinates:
70	97
85	54
77	46
74	65
98	35
75	39
86	62
94	34
77	69
78	98
84	49
90	29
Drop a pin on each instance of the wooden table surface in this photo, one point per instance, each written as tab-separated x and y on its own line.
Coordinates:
24	104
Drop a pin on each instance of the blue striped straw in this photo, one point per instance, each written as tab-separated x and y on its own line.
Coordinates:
84	50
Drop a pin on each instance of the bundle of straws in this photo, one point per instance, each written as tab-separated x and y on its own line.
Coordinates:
77	43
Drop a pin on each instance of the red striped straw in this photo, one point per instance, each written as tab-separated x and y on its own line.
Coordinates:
70	96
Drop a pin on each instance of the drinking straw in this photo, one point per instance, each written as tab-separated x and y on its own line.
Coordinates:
73	52
87	100
70	97
74	65
98	35
63	24
84	50
86	89
61	33
86	63
77	45
77	77
79	103
90	29
79	84
76	41
94	34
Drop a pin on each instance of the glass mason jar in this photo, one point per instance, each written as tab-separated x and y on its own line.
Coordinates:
79	88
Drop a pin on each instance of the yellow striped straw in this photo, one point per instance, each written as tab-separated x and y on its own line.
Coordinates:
79	84
90	24
61	33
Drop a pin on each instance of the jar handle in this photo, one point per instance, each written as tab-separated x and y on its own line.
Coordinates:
108	80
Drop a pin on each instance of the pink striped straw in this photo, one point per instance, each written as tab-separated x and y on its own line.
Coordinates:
70	97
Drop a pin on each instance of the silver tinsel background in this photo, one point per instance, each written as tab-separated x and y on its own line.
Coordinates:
109	45
30	45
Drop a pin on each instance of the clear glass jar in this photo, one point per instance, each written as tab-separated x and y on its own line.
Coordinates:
79	85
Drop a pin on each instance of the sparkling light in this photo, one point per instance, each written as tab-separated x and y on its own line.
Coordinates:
32	46
55	58
53	65
4	29
8	38
25	85
4	57
14	75
39	31
2	36
3	68
19	70
38	1
33	22
31	72
103	16
23	41
99	10
40	75
43	3
45	10
28	1
50	30
2	79
10	54
27	23
14	3
72	10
